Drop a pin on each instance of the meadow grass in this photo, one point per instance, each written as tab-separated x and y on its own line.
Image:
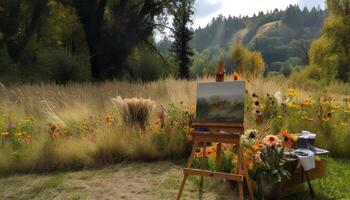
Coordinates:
156	180
66	126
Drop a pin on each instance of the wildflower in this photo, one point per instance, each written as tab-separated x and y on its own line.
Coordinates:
278	97
249	136
161	116
258	147
284	133
5	133
108	119
189	137
254	95
210	152
257	112
279	116
257	103
293	93
236	76
343	124
19	134
271	141
292	104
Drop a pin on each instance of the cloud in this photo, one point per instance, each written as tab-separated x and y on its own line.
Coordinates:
204	8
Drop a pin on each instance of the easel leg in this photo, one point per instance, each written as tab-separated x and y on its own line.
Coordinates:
218	156
204	160
182	187
247	179
189	164
239	170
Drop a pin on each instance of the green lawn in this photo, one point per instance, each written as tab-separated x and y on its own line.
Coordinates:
336	184
157	180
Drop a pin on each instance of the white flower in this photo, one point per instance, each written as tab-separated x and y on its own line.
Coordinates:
249	136
278	96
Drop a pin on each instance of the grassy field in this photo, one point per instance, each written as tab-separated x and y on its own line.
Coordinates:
157	180
94	139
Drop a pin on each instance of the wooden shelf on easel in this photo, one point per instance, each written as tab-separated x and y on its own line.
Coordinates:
212	133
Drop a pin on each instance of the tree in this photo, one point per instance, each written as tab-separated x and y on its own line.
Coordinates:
111	38
239	55
18	22
293	17
248	63
91	15
182	11
331	52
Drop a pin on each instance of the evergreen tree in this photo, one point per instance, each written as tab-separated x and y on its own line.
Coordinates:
182	11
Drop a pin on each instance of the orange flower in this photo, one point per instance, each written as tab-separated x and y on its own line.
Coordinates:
189	137
211	152
236	76
258	147
288	139
271	140
108	119
284	133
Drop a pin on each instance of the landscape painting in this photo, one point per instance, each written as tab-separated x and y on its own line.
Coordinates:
220	102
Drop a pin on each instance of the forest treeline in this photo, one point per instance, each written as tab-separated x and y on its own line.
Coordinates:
84	40
63	40
282	36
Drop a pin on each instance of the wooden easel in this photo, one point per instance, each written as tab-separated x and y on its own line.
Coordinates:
232	135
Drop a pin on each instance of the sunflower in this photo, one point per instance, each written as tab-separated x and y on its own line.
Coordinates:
288	139
284	133
257	103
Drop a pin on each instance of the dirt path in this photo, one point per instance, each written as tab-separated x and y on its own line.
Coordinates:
159	180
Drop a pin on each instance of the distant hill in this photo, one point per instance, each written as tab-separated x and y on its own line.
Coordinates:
282	36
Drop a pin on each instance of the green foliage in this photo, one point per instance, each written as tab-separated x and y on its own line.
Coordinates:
182	12
146	65
61	66
248	63
330	53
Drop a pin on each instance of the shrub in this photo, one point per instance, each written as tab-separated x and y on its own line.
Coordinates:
61	66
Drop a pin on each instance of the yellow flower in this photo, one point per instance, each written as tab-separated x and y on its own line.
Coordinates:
19	134
5	133
343	124
292	104
293	93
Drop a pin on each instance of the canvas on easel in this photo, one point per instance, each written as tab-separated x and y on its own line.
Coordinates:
219	119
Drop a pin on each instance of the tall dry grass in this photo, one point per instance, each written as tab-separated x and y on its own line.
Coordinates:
71	105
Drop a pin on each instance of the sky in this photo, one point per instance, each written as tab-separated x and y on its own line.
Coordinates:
205	10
